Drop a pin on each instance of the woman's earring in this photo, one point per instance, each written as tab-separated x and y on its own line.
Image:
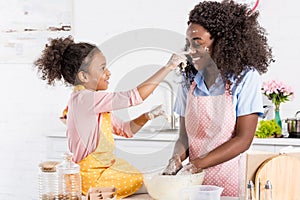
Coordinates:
206	49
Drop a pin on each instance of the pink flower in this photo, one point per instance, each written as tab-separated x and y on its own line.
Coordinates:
278	92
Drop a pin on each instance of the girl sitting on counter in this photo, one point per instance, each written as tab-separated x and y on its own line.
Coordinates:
90	123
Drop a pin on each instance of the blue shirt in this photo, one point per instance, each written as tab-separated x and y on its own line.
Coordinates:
246	96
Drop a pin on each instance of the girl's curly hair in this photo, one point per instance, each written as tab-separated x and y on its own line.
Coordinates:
63	58
239	41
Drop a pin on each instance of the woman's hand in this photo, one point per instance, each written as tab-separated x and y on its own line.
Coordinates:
189	169
174	166
175	61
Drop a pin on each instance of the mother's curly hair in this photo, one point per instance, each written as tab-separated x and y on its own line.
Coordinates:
239	41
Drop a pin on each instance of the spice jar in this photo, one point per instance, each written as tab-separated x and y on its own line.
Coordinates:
48	180
69	180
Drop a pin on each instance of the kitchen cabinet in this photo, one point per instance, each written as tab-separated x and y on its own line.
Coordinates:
148	152
274	144
151	151
57	145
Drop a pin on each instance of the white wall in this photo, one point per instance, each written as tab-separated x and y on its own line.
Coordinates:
105	20
281	20
30	110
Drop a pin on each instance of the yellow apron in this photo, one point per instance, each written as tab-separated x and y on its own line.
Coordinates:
102	169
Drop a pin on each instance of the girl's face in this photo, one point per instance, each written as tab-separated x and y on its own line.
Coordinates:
97	74
199	44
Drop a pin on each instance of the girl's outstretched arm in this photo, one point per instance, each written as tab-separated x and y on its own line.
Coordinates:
148	86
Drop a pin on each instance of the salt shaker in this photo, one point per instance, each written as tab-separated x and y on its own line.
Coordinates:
250	191
48	181
69	180
268	191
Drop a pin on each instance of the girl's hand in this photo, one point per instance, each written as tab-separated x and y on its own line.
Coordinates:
176	61
120	132
155	112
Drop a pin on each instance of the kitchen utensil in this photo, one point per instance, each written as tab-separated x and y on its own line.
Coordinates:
268	191
250	191
293	126
167	187
201	192
283	172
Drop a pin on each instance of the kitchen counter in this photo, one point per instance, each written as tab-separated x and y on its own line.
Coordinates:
172	136
147	197
277	141
149	142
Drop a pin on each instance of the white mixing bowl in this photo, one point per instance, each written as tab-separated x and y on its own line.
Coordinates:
165	187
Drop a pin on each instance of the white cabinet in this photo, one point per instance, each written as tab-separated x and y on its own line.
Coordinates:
149	152
56	147
148	156
274	144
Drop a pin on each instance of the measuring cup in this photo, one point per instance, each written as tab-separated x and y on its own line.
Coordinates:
201	192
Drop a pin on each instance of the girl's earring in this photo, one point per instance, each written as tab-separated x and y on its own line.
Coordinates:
206	49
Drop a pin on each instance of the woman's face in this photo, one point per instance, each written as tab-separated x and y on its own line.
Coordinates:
199	44
98	75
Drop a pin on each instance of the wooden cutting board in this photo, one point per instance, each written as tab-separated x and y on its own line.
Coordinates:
284	173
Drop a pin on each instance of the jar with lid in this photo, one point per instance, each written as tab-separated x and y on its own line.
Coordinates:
48	180
69	180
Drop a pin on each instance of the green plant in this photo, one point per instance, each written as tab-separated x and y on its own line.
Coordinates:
267	128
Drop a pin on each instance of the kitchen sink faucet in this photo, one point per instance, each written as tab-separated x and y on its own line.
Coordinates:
172	120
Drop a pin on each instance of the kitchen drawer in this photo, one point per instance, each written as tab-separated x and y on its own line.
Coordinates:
263	147
56	147
147	155
274	144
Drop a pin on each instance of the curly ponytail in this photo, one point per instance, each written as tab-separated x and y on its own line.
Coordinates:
62	59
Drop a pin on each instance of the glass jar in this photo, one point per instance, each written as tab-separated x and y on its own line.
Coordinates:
48	181
69	180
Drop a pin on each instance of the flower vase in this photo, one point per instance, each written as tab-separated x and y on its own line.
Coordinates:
277	118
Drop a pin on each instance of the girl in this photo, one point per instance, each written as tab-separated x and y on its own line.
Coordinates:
90	123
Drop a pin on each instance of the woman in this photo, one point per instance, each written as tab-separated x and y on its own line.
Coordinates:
220	98
90	123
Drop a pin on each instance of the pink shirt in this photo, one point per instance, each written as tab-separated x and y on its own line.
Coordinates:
85	108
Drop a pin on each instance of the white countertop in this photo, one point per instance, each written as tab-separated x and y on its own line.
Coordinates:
276	141
147	197
172	136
